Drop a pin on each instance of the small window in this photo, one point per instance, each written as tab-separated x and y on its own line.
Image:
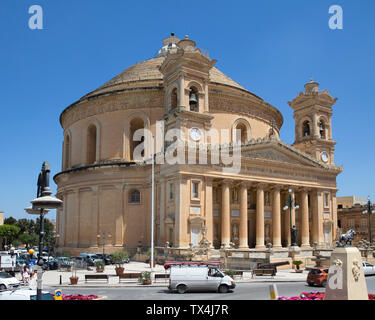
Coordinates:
171	193
174	99
195	189
326	200
135	197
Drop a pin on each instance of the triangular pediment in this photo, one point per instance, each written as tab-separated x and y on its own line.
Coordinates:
276	150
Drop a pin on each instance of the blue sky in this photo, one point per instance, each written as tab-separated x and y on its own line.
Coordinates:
270	47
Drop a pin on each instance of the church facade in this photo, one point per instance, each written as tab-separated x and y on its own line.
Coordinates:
193	110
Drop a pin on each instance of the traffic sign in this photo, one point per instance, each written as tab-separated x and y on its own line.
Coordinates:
58	294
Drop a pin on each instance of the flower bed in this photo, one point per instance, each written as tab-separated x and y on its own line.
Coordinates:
79	297
315	296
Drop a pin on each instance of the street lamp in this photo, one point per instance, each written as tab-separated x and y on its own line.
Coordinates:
369	211
108	235
41	205
291	205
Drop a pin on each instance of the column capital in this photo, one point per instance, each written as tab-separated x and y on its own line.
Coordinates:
303	189
276	187
226	181
246	184
260	185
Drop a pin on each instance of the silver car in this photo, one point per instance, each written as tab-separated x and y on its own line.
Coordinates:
368	268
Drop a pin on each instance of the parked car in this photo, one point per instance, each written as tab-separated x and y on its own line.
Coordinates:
107	258
368	268
50	264
90	258
46	256
8	281
185	278
317	277
64	262
24	294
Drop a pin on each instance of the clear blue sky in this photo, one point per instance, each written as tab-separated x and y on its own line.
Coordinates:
272	48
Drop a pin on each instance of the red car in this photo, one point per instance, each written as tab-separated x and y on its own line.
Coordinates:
317	277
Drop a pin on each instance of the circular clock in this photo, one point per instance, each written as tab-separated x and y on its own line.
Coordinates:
195	134
324	156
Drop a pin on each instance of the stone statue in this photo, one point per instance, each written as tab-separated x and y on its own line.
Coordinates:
294	236
43	181
346	238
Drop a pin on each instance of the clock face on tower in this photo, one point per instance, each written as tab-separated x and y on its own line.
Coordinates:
324	156
195	134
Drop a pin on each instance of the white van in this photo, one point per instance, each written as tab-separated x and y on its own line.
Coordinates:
185	278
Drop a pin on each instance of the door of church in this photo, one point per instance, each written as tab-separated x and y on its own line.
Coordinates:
194	237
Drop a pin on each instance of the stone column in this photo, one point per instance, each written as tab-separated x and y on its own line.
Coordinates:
304	219
293	210
225	214
243	234
76	220
334	215
315	128
119	222
317	217
209	212
285	220
181	84
162	204
260	218
276	217
183	206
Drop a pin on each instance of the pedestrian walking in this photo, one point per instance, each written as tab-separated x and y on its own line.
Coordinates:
25	275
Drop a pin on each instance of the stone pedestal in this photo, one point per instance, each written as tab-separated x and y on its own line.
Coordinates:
294	251
346	280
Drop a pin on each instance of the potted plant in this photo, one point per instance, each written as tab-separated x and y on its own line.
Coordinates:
99	266
190	256
118	258
149	254
230	272
297	263
145	278
73	278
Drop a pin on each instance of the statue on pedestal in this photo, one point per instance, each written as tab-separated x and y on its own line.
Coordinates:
294	236
346	238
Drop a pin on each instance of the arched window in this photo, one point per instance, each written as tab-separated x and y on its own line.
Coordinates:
306	129
135	124
66	152
241	133
174	99
134	196
193	99
91	144
322	129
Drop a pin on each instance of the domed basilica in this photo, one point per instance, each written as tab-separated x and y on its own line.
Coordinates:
181	99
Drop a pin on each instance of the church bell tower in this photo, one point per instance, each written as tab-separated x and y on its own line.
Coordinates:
186	77
313	128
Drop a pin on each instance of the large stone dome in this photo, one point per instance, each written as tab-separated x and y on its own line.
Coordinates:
147	73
